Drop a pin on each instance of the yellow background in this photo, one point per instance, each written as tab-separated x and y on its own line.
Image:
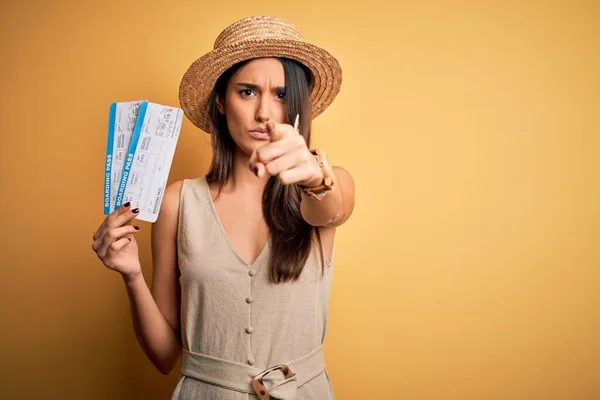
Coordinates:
470	268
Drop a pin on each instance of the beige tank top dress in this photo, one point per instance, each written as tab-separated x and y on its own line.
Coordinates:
236	325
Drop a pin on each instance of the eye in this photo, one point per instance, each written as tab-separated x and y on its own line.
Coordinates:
280	96
246	92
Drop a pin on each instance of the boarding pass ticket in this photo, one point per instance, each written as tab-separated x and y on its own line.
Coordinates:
121	122
149	133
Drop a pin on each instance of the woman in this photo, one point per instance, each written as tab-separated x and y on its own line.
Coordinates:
243	256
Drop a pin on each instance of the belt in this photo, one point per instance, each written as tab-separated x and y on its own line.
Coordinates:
277	382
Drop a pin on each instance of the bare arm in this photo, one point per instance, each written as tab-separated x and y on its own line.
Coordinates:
155	313
336	207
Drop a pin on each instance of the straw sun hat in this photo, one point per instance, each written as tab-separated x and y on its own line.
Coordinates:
256	37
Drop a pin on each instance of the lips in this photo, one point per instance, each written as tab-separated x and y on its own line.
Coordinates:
259	133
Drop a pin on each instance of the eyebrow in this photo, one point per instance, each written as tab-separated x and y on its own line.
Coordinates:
252	86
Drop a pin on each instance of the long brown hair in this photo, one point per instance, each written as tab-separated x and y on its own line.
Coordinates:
291	236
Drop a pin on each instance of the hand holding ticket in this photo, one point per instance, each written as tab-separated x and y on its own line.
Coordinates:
142	138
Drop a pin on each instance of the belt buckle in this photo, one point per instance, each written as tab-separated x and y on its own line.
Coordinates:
257	383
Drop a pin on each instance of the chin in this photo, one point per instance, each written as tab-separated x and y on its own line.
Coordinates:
248	145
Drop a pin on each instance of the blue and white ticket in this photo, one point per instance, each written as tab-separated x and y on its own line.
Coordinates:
121	122
149	159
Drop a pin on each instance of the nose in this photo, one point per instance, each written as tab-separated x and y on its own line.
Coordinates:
263	113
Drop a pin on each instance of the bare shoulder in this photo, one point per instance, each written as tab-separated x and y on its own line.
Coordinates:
169	208
165	227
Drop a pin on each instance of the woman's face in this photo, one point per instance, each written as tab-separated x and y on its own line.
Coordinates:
255	94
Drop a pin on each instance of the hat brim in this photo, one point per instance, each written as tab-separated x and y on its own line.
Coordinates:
200	78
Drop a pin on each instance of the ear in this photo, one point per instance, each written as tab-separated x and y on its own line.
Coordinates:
220	105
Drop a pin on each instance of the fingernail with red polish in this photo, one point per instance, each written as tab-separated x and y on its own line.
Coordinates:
135	210
137	228
126	204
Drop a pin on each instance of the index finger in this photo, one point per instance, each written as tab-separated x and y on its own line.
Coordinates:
273	132
122	215
279	131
